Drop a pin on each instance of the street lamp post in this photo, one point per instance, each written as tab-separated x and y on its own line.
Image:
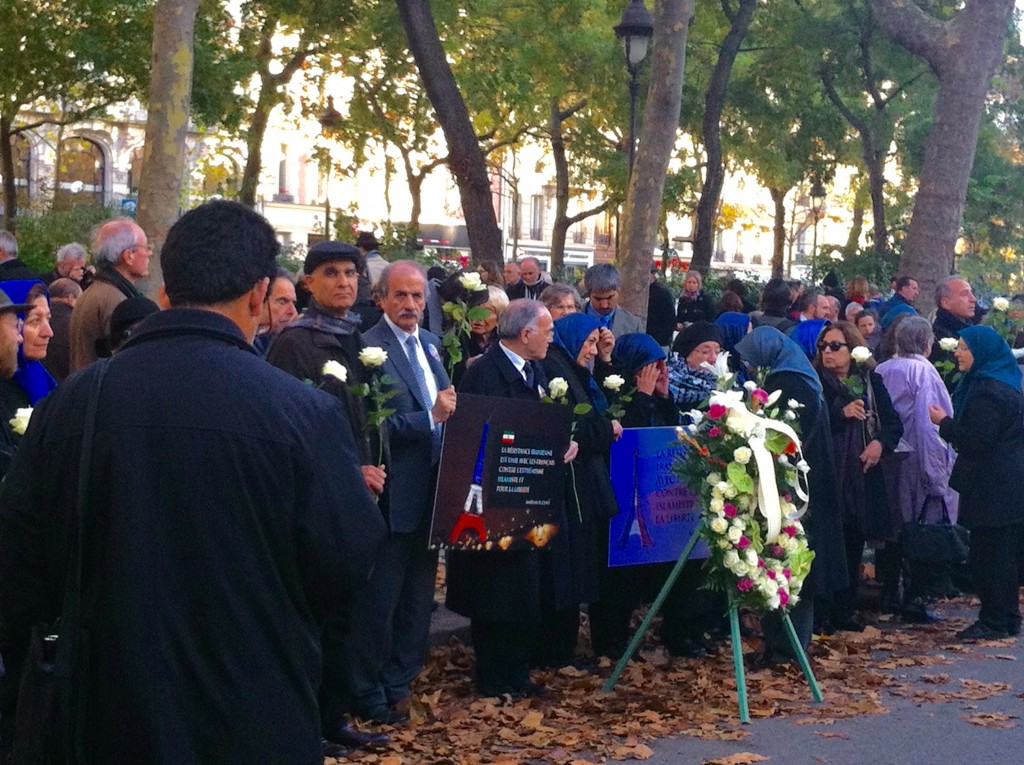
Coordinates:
635	29
817	205
330	121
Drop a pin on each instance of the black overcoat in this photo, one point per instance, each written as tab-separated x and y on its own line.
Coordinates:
988	436
227	515
495	586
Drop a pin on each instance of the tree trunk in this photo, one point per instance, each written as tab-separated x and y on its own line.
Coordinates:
561	224
779	242
639	230
170	102
465	159
711	129
963	52
254	147
7	168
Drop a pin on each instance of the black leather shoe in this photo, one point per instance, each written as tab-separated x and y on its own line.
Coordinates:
330	749
916	612
981	631
350	736
384	716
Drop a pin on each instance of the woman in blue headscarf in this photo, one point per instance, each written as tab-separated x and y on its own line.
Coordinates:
790	372
987	432
734	327
31	382
805	334
571	565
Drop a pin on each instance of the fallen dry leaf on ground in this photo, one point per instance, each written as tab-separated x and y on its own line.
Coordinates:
740	758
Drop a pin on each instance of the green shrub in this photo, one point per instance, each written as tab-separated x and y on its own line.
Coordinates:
40	236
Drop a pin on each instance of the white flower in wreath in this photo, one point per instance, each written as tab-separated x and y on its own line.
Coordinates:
696	416
374	356
741	569
860	354
719	525
773	397
949	344
794	404
802	466
789	415
793	599
713	478
336	370
742	455
730	559
721	486
730	492
725	544
734	534
1001	304
751	558
774	602
717	505
750	385
721	366
557	387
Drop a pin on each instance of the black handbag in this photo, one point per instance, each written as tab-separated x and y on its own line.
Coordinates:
48	723
942	542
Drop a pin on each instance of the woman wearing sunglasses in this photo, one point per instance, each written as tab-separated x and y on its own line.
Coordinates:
865	426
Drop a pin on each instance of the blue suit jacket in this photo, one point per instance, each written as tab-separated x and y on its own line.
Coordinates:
409	431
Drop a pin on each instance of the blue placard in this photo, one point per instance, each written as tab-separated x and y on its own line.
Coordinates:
657	512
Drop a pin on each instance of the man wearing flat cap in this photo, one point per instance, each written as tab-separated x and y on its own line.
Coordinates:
329	331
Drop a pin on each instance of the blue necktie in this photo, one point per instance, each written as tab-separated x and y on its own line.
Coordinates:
421	383
531	376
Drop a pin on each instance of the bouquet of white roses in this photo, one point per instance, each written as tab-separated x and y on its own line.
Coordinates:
744	464
461	315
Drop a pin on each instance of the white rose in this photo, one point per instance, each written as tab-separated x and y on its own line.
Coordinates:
471	282
734	534
742	455
731	558
751	558
724	544
721	487
1000	304
614	382
949	344
558	387
774	602
789	415
750	385
802	466
793	599
719	525
713	478
741	569
769	586
336	370
19	423
860	354
373	356
730	492
716	505
739	523
696	416
794	404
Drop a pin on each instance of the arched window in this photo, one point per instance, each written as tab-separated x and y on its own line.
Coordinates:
81	176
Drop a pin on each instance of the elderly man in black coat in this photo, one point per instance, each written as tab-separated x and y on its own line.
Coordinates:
500	591
225	516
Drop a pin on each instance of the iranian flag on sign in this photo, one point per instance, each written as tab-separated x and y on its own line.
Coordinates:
508	437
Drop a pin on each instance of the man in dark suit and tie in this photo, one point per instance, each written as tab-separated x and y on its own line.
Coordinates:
402	584
500	591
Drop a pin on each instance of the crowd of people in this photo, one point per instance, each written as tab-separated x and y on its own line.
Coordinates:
251	545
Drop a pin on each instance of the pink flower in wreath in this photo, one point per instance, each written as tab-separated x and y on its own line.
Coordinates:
759	395
729	509
743	544
777	551
783	597
786	573
717	411
715	431
791	530
745	585
770	574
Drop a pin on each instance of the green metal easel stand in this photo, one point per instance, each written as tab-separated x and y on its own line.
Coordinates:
734	627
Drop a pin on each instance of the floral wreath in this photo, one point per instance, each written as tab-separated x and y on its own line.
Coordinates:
745	465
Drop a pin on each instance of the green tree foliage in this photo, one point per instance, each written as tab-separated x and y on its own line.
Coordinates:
80	55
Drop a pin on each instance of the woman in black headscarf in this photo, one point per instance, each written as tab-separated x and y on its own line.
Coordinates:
571	565
791	372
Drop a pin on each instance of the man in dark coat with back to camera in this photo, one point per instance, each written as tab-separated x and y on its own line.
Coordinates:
226	516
